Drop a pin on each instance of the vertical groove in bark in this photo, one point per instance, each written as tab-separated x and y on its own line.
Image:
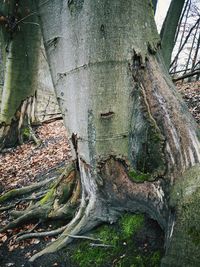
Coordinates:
178	145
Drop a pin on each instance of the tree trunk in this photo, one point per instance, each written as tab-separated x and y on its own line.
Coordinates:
20	41
168	31
132	136
154	2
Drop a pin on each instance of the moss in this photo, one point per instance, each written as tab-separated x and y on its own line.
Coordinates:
10	194
137	176
194	235
185	199
48	196
156	258
26	133
131	224
120	248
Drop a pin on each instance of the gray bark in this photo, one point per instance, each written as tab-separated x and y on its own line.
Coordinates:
26	90
124	116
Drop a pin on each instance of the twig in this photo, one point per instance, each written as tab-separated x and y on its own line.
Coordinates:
100	245
9	207
186	76
42	234
84	237
22	233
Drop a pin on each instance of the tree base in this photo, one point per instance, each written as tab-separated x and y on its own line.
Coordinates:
100	202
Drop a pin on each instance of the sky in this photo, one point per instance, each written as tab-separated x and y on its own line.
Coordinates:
161	11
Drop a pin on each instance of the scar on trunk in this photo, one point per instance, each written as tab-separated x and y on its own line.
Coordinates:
107	115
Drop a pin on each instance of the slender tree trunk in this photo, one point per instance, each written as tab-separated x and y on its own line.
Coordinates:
169	28
194	61
20	42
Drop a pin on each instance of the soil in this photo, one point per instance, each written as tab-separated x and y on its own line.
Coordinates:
27	164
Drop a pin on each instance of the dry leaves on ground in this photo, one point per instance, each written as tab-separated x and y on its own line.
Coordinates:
21	165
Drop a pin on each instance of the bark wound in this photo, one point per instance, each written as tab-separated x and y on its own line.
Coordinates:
74	140
120	191
147	140
107	115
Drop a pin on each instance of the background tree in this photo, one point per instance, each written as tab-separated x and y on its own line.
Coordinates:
169	29
132	137
185	56
154	5
20	42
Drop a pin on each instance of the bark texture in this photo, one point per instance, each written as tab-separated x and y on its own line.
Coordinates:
131	134
20	41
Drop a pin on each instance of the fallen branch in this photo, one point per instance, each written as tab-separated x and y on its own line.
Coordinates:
187	75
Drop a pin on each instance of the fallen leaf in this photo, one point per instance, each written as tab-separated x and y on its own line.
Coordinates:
4	238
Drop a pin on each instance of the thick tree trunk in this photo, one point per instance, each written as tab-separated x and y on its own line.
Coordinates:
132	135
168	31
20	41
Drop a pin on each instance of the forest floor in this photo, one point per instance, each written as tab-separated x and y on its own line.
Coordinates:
27	164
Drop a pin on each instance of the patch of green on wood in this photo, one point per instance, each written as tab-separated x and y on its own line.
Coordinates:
116	246
138	177
48	196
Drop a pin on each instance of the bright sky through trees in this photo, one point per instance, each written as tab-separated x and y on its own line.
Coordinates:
161	11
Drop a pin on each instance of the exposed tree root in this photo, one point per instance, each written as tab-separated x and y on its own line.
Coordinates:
42	234
59	202
25	190
25	232
98	204
82	222
38	213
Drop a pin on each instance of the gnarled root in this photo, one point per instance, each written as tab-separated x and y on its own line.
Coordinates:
85	219
59	202
100	202
25	190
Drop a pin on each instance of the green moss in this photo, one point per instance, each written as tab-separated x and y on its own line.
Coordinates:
139	177
120	249
156	258
8	195
48	196
26	133
194	235
131	224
